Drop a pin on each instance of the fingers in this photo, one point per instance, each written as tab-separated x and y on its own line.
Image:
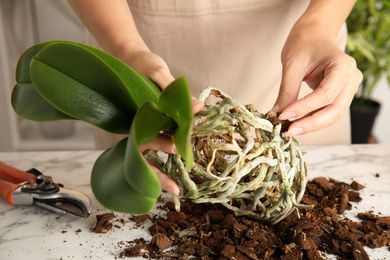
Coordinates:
166	182
120	137
163	143
292	75
336	76
328	114
197	105
166	144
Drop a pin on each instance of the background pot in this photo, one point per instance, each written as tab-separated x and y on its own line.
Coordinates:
363	115
57	129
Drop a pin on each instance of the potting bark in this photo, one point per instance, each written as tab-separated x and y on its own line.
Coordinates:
210	231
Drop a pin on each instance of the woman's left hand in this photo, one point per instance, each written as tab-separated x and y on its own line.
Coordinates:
332	75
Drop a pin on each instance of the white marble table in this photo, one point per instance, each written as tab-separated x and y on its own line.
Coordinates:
34	233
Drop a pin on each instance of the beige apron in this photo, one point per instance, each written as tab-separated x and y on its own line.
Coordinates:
228	44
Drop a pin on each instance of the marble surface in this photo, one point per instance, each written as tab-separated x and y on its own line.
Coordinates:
33	233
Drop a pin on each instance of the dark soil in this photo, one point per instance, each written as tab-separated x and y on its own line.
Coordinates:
206	231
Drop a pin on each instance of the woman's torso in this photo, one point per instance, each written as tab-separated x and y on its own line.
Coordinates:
228	44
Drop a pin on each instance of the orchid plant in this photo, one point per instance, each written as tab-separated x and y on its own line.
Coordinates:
60	80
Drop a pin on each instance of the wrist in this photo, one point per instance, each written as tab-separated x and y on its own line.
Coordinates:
126	49
314	26
324	17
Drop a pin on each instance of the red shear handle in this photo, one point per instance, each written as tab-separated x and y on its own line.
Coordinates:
11	174
6	190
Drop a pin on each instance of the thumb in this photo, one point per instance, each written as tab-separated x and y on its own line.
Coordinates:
289	87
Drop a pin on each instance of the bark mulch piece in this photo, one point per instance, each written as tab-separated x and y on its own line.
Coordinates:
104	223
206	231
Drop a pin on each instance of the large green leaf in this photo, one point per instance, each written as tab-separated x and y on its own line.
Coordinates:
110	186
101	72
22	73
140	87
67	73
78	100
29	104
25	99
174	102
147	124
172	111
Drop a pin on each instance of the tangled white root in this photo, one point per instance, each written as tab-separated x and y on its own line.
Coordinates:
242	161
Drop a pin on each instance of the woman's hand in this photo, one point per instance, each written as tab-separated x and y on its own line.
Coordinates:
312	57
157	70
165	144
311	54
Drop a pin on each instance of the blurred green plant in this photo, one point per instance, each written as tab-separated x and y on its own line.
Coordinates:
369	43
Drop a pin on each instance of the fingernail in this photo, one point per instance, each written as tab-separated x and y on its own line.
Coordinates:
294	132
287	115
171	190
174	150
276	108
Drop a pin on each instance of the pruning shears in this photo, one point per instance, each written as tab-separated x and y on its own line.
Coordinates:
33	188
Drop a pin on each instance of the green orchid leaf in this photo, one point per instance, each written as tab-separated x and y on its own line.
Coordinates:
22	74
25	100
79	83
121	178
140	87
110	187
77	100
147	124
101	72
119	90
29	104
174	102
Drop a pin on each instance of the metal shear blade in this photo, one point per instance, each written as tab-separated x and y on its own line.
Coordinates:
63	201
34	188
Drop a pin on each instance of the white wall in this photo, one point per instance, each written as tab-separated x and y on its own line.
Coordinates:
22	24
381	129
57	21
15	37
